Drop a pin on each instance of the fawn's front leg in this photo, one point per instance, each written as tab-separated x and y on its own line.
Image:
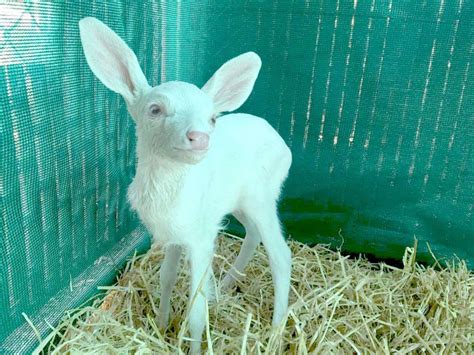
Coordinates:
200	259
168	275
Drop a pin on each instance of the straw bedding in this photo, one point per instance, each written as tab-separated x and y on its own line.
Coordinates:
338	304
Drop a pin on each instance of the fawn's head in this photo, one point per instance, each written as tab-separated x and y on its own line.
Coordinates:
175	119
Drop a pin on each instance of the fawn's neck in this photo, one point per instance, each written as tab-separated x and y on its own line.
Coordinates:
160	173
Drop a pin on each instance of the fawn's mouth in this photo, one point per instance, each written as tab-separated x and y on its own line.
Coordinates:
192	150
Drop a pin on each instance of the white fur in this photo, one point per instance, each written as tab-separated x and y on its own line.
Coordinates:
181	194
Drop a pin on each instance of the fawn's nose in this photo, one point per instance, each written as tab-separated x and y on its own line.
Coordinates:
198	140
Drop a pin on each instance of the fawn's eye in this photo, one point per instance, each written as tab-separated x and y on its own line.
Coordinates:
155	110
213	119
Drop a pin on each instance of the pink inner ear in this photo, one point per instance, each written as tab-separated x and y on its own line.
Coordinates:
237	80
110	59
126	77
228	93
232	84
114	60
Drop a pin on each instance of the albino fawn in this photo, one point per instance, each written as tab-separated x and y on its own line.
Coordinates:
194	168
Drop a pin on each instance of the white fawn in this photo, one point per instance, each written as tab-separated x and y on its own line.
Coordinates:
194	168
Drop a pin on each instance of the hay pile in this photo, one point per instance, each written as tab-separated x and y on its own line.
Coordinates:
338	305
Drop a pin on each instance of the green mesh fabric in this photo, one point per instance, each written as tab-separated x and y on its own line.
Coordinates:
375	99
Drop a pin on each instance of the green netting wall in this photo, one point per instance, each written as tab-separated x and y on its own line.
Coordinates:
375	99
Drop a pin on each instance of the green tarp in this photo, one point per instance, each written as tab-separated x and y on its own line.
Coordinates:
375	99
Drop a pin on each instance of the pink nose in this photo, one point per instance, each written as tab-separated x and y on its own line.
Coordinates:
198	140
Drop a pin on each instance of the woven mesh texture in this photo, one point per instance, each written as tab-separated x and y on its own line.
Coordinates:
375	99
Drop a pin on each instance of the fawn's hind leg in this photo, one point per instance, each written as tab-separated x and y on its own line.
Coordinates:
251	241
267	225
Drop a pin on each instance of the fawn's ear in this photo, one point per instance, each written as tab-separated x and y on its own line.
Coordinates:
233	82
111	60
